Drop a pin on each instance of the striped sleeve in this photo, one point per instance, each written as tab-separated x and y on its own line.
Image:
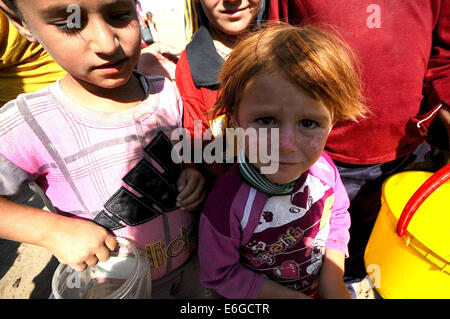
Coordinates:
11	176
339	235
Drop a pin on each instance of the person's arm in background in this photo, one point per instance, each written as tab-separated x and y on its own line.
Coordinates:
438	73
159	59
25	67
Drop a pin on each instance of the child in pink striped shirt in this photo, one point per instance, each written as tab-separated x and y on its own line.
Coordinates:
98	143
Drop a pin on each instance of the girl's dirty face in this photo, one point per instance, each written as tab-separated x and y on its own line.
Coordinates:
271	101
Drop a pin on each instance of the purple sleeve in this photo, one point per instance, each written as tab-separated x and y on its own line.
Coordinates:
339	235
220	266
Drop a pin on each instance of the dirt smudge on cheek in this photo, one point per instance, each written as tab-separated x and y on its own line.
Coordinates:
312	147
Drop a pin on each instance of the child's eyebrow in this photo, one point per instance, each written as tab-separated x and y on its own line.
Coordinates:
54	11
268	112
62	10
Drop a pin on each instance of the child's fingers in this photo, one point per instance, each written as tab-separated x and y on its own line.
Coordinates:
79	267
100	255
181	182
111	242
91	261
193	196
191	185
103	254
186	185
194	206
194	184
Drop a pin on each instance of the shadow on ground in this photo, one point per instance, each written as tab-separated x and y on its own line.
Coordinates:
9	252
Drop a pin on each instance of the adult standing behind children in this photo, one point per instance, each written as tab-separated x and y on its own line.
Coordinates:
97	141
197	70
24	66
151	25
401	45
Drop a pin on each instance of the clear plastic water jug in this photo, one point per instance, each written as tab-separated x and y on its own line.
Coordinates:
125	275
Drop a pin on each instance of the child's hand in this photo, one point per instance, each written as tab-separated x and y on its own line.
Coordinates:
191	184
79	243
76	242
159	59
331	284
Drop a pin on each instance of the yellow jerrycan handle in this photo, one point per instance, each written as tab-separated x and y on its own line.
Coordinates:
425	190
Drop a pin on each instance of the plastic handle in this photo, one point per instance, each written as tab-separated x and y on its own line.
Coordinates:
425	190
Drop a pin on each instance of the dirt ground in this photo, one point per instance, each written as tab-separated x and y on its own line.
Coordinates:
25	270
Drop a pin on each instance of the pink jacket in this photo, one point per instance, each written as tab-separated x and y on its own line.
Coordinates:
246	234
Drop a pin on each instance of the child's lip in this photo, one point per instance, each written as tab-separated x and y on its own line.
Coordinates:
110	64
287	163
233	11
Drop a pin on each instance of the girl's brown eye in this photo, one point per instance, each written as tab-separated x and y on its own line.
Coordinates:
266	120
308	123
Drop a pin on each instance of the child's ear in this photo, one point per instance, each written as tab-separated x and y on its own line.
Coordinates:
18	23
23	29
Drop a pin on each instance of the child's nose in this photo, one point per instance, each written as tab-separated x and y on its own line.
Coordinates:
287	139
102	38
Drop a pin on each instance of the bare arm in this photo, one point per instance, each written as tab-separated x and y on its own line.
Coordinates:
331	284
75	242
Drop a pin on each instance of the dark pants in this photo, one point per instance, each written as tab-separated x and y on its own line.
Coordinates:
363	184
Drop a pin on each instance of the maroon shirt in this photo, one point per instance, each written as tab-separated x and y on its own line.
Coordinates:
400	45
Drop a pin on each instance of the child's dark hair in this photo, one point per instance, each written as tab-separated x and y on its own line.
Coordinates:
12	4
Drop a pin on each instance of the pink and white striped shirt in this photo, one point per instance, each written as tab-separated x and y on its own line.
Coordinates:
111	167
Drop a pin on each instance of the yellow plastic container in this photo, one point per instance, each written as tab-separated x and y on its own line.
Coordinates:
416	265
